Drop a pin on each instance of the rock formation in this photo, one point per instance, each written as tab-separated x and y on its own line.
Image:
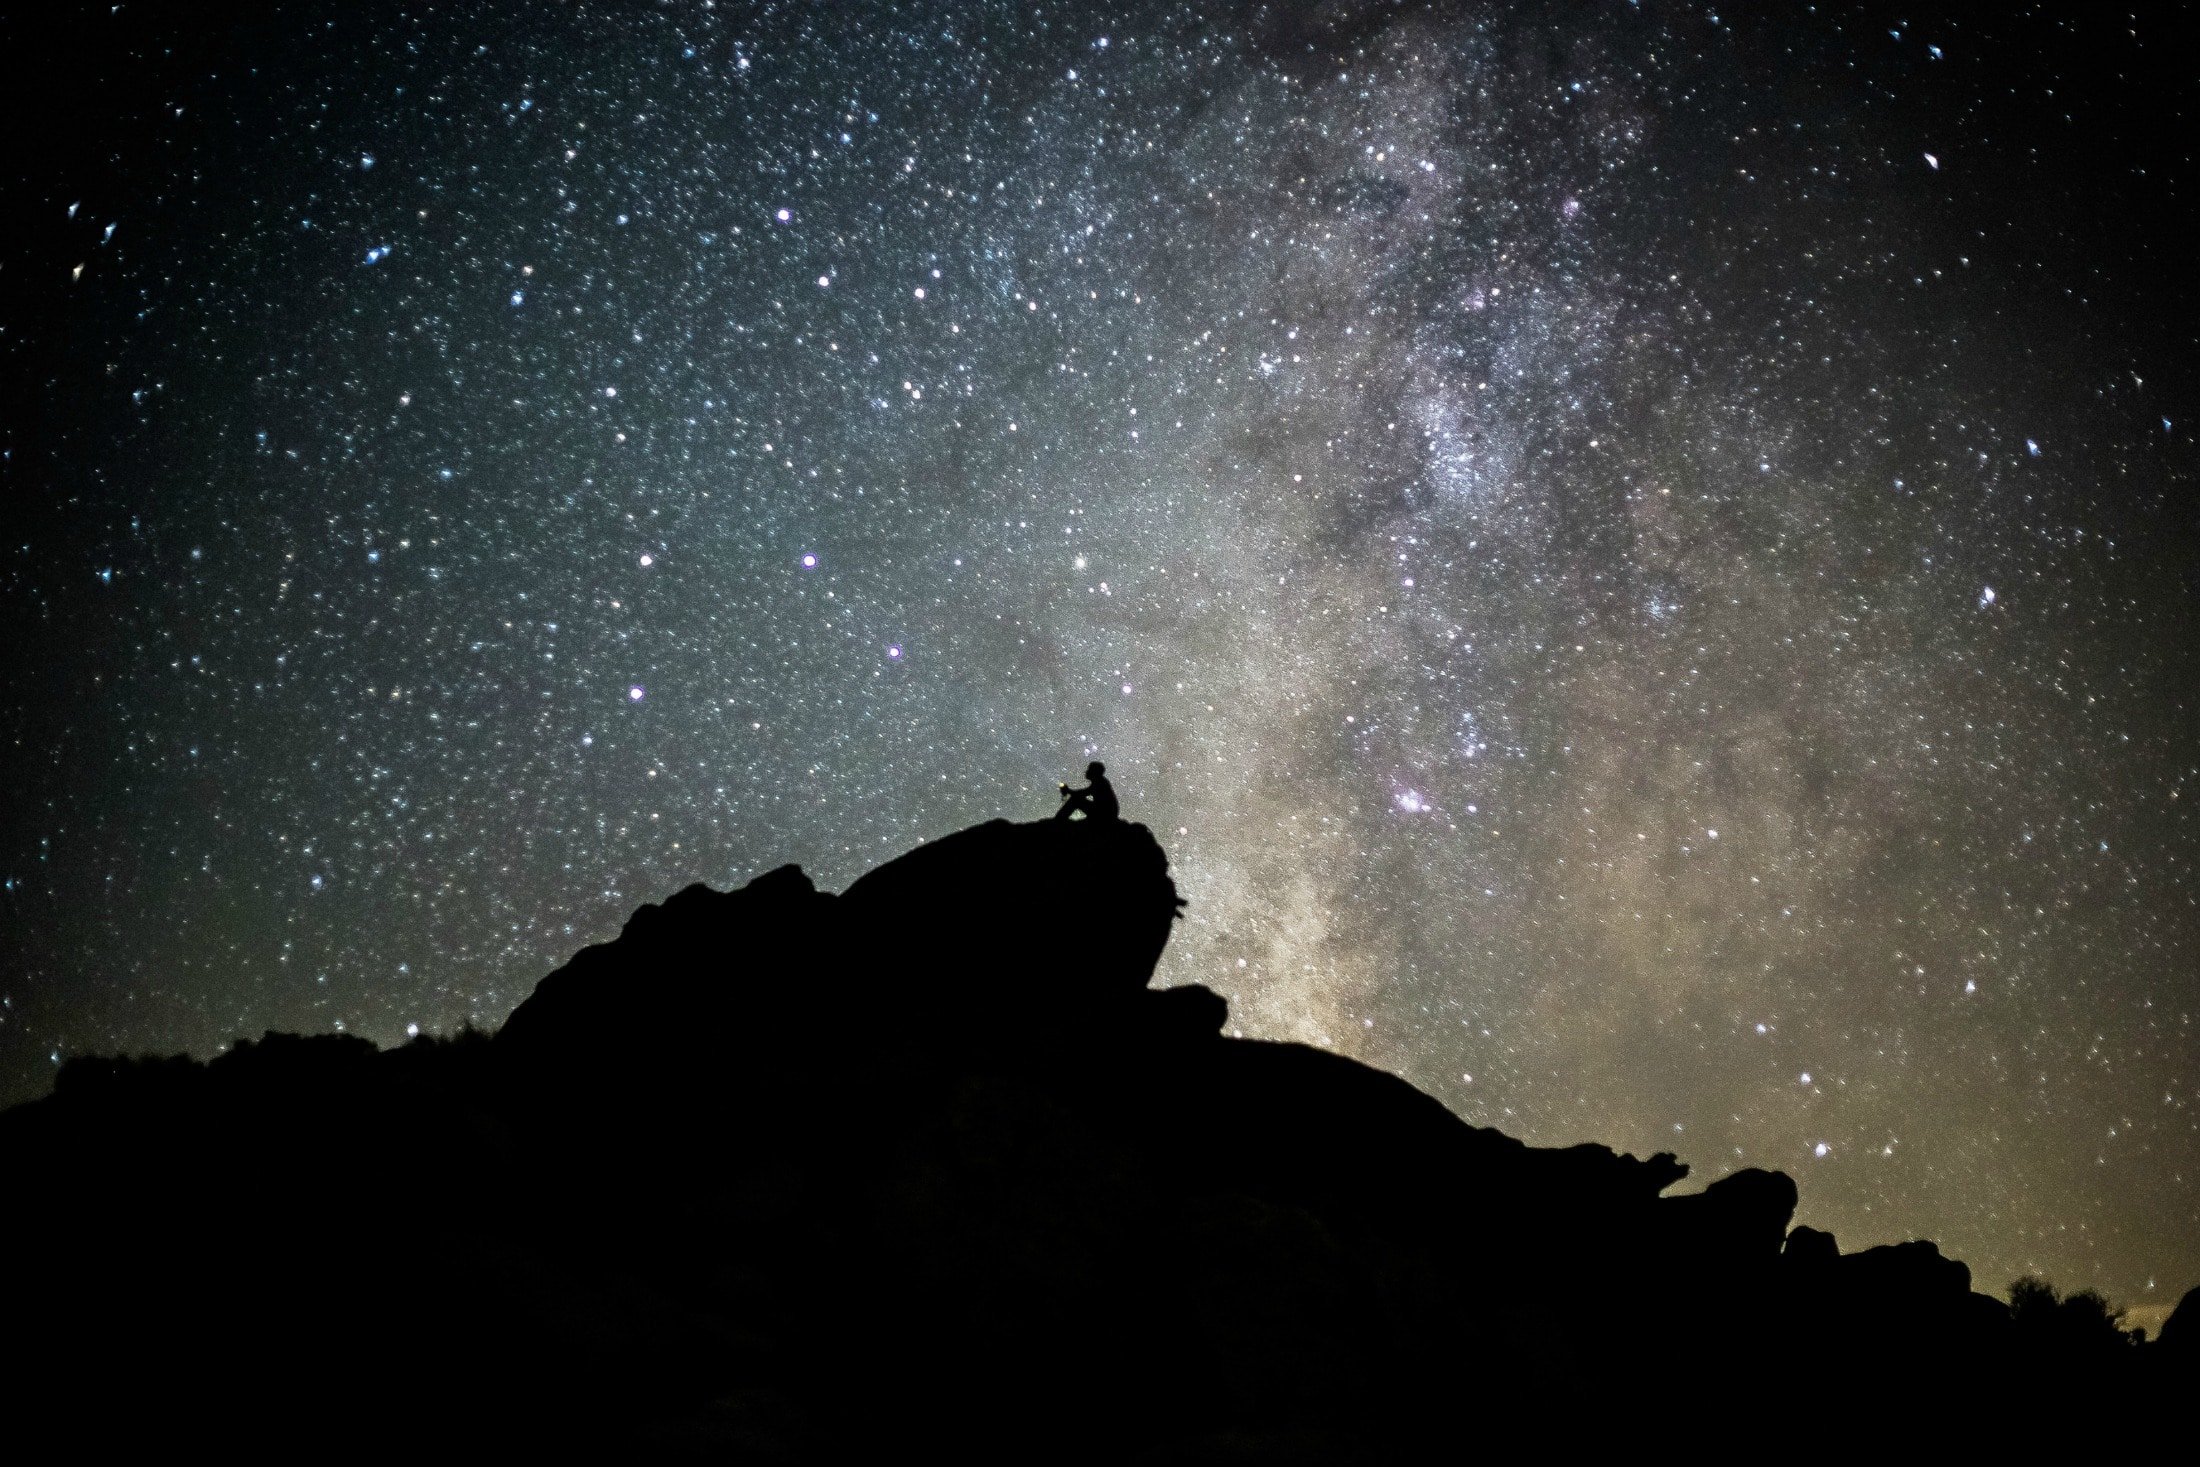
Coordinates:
783	1175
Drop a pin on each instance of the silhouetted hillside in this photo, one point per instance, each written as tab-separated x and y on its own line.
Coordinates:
781	1175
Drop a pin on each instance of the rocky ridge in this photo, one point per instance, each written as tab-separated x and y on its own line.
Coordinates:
785	1175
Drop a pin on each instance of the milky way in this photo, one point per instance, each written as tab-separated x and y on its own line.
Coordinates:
1638	558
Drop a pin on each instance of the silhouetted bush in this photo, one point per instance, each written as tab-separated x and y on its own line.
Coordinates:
2074	1324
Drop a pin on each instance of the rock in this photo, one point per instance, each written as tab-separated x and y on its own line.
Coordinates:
1913	1271
1064	910
1809	1249
1741	1217
812	1176
705	968
2180	1336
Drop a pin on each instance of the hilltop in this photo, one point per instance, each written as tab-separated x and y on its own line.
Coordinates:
781	1174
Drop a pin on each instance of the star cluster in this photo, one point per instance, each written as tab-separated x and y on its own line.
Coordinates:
1639	558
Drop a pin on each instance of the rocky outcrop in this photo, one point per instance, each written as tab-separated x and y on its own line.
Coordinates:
790	1175
2181	1331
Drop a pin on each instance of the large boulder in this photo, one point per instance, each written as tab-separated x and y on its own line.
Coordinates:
1741	1218
1062	910
1002	934
706	966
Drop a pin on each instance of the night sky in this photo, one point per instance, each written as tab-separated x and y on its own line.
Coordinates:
1640	558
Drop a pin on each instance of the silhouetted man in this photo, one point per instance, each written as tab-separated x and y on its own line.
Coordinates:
1096	799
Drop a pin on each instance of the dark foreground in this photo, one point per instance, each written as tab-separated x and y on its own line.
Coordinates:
787	1176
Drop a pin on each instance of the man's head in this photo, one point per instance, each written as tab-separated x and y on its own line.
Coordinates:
1095	769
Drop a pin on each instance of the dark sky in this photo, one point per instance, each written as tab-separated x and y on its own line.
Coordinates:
1640	557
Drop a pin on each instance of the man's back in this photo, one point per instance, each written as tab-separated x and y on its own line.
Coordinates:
1100	800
